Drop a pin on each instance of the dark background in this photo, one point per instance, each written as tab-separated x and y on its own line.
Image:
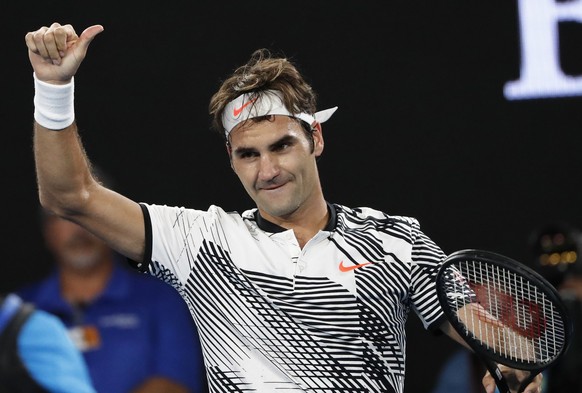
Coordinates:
423	128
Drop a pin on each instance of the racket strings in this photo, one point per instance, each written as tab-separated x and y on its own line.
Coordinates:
505	313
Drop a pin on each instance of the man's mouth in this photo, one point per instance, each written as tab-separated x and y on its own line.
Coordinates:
270	186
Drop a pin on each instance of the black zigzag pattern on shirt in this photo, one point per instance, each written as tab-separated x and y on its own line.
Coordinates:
361	238
308	327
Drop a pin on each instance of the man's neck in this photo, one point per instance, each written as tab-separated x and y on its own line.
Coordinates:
305	222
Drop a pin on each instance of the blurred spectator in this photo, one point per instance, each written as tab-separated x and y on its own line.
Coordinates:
556	256
36	353
135	332
461	373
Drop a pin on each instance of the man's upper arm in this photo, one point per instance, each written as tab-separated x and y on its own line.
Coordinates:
116	219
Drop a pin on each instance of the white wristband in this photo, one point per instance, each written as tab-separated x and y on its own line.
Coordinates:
53	104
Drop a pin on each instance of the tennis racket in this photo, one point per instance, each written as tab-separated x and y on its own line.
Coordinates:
506	312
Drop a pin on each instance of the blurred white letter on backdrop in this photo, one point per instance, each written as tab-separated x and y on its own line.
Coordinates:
541	75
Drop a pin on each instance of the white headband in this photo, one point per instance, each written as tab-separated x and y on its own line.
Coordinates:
248	105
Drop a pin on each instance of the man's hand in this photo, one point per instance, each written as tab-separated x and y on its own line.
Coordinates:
56	52
511	374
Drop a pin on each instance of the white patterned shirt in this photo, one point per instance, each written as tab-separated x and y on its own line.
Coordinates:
272	316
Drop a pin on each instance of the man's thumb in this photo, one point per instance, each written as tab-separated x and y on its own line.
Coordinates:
88	34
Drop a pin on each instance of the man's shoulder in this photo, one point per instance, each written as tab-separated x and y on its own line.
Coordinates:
370	214
168	210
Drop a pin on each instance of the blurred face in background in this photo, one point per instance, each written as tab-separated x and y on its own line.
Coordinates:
72	246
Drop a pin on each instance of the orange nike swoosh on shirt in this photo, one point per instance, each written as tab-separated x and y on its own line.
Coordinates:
344	268
237	111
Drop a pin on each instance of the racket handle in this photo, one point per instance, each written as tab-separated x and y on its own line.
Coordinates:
503	382
497	376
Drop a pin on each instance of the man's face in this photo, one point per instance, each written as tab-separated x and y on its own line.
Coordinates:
276	165
72	246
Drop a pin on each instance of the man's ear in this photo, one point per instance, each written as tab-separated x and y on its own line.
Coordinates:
229	152
317	139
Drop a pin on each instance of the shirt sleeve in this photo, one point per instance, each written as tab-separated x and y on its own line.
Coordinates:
427	259
172	233
51	357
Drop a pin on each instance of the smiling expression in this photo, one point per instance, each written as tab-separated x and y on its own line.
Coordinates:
276	164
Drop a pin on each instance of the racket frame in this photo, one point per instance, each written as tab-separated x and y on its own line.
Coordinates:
489	357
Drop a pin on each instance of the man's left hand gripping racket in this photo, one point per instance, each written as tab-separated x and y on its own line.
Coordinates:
506	312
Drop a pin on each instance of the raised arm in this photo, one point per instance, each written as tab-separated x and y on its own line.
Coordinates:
65	182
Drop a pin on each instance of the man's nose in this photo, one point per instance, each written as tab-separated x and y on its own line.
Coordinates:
269	167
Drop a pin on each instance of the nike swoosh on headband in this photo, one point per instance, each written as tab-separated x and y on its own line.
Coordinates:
237	111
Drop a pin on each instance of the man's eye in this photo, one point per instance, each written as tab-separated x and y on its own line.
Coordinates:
282	146
247	154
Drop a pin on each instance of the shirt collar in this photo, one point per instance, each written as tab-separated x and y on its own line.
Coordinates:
268	226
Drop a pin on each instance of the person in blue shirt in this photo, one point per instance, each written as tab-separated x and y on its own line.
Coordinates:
461	373
135	332
36	353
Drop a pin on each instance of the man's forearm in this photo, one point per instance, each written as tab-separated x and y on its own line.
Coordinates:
62	169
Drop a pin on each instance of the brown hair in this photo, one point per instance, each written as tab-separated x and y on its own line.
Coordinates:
263	71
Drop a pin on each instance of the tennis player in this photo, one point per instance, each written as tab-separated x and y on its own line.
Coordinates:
296	294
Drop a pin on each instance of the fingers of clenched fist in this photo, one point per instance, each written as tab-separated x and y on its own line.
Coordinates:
513	378
51	42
